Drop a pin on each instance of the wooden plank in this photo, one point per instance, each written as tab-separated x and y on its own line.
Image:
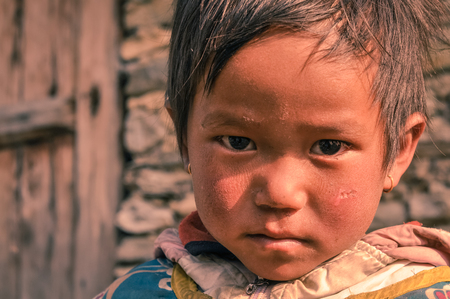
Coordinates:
37	223
37	61
36	119
37	49
11	25
65	48
9	249
10	72
65	24
98	123
37	190
62	263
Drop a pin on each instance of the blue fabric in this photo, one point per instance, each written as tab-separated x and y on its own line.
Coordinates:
149	280
439	290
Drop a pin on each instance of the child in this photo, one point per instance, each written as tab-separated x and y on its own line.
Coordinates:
293	116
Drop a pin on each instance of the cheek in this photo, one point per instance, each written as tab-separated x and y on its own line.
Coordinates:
222	206
350	207
344	196
353	192
218	195
347	205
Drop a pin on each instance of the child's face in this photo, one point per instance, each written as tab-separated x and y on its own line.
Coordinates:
286	162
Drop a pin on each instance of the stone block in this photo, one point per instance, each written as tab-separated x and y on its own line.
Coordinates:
136	249
143	130
388	214
142	79
424	206
439	87
439	131
139	216
155	183
149	14
185	206
441	58
150	101
440	168
158	158
141	47
164	154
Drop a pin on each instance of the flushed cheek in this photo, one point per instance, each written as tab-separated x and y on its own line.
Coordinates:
352	210
220	197
341	207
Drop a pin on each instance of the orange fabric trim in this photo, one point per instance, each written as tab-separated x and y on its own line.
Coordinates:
421	280
184	287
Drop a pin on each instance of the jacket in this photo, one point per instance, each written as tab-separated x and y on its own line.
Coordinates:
405	261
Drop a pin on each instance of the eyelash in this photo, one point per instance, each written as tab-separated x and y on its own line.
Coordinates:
343	146
326	144
224	140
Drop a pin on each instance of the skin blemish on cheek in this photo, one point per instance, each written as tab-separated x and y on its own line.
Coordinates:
344	195
248	119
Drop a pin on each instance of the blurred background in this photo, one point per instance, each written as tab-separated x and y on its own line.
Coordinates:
89	168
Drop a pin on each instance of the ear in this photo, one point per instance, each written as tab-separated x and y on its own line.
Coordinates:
414	127
184	150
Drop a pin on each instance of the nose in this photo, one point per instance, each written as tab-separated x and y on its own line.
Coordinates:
283	185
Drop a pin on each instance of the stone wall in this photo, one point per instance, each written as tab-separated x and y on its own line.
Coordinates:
423	194
159	192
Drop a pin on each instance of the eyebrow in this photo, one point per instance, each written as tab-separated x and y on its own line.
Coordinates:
217	119
224	119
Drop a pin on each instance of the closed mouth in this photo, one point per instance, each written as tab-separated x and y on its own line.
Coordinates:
276	238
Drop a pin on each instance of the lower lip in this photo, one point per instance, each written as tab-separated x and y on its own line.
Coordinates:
269	243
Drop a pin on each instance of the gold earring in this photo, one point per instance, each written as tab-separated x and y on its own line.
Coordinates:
392	185
189	168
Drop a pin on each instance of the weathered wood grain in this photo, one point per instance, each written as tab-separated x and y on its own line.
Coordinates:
64	209
10	36
59	192
65	48
64	40
37	191
36	222
11	25
43	226
23	122
9	248
98	122
37	49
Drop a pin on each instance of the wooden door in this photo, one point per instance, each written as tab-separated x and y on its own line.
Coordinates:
60	154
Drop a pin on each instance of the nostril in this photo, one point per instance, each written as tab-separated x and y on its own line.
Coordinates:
282	185
288	201
279	210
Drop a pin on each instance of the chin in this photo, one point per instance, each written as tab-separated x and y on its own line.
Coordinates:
281	273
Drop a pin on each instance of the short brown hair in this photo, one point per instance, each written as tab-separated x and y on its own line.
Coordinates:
399	33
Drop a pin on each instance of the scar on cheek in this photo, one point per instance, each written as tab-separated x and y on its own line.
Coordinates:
344	195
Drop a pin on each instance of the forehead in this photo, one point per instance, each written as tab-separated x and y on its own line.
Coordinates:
291	62
290	55
274	84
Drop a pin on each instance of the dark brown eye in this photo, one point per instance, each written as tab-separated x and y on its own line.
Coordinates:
328	147
238	143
